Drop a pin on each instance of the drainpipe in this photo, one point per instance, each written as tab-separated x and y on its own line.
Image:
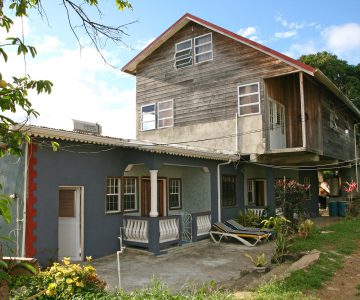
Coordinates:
236	133
218	187
356	158
26	165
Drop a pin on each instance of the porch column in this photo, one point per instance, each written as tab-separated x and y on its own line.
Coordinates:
154	194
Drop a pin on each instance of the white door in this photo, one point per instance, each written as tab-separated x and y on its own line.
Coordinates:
69	222
277	125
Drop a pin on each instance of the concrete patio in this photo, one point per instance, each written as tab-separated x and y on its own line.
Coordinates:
190	264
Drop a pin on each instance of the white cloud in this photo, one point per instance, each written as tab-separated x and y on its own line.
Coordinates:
245	32
285	34
142	44
343	38
296	50
85	88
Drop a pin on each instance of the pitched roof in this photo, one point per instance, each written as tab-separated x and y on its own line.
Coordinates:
130	67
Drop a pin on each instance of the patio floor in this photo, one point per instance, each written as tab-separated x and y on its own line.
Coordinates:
190	264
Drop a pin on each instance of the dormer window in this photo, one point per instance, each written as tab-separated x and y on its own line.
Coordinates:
183	54
203	48
148	117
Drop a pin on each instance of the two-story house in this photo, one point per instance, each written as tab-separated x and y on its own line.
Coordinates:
226	117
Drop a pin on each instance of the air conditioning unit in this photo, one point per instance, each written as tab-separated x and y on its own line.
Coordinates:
87	127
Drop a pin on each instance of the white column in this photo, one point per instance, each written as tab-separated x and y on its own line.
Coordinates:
154	194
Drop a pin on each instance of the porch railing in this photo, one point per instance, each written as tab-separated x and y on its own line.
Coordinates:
201	225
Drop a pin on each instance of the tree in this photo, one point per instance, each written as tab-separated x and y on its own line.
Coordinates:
345	76
14	92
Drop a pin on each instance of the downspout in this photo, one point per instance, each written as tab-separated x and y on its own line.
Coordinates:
356	158
218	187
236	134
26	165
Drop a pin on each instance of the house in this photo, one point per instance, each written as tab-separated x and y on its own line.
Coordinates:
219	119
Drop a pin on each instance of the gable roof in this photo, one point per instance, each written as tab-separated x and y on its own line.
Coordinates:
130	67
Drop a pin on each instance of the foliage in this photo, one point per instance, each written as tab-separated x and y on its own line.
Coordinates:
282	241
249	219
306	227
293	196
338	241
345	76
258	260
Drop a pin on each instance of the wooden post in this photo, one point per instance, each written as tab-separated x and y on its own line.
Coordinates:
302	105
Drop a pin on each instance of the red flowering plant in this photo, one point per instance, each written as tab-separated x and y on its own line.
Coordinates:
291	196
349	187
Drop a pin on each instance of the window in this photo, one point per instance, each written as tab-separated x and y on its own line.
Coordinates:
165	114
256	192
347	128
333	120
148	117
249	99
112	199
183	54
307	184
130	202
203	48
174	193
228	190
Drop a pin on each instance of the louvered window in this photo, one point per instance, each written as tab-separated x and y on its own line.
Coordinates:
183	54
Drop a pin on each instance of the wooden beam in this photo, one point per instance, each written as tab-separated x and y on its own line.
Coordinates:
302	105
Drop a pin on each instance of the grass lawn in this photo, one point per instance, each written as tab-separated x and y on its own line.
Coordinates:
339	240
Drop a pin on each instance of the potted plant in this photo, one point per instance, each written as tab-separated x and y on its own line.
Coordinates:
259	262
305	228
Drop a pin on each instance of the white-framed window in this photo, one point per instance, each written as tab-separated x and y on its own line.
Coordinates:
148	117
256	192
174	193
183	54
249	99
165	113
130	195
113	192
203	48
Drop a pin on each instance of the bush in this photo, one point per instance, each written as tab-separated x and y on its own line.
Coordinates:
250	219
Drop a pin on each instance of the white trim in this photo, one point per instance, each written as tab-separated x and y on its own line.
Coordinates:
249	94
253	190
141	120
199	54
118	179
158	113
136	194
179	194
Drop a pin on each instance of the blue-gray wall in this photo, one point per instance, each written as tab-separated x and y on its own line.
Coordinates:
12	181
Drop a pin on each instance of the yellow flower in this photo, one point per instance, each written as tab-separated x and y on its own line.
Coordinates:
79	284
52	286
88	258
69	281
50	293
66	261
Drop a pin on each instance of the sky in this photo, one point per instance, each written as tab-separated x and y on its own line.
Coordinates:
85	88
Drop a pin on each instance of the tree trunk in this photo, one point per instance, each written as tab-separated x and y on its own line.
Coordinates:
4	285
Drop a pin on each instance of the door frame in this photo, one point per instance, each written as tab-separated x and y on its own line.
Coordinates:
82	223
284	120
165	194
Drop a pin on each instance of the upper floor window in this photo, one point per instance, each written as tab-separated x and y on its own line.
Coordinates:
183	54
228	190
203	48
165	114
148	117
174	193
249	99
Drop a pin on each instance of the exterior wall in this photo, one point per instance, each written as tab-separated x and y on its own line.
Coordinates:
12	181
204	93
89	170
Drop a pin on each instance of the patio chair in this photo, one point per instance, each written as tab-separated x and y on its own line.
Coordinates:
248	238
236	226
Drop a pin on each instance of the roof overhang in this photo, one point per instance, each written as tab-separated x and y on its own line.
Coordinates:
131	66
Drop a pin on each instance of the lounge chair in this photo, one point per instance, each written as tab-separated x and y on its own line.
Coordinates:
236	226
248	238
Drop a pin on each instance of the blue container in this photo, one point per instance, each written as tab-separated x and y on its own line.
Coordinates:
342	208
333	209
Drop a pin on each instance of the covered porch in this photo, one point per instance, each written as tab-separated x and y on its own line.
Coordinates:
173	206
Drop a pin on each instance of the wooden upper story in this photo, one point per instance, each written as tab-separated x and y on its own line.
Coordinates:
202	85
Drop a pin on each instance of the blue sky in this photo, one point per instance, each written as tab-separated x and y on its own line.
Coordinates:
87	89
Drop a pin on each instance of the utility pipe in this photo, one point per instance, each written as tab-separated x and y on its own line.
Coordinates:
26	166
356	159
236	133
218	187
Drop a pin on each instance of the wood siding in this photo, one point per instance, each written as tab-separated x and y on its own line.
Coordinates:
205	92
